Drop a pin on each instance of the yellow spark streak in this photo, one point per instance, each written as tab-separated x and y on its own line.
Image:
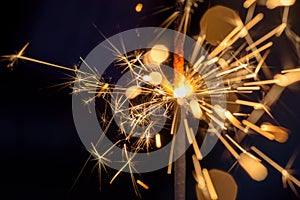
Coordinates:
250	11
197	48
265	82
251	55
228	146
103	88
254	21
244	31
196	110
45	63
223	44
248	3
266	36
169	171
261	62
276	166
221	124
142	184
228	71
290	70
248	88
236	79
250	103
187	130
170	20
174	121
234	120
195	145
157	140
241	114
200	178
121	169
285	14
235	143
258	130
210	186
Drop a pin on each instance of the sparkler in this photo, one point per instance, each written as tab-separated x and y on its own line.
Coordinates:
151	95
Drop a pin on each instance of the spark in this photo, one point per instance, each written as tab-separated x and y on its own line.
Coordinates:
149	90
146	187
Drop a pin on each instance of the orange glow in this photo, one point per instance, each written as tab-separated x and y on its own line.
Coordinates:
139	7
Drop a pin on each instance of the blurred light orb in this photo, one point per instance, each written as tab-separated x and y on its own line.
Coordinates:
159	53
271	4
139	7
155	78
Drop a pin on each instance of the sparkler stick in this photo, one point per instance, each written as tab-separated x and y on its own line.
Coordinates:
178	63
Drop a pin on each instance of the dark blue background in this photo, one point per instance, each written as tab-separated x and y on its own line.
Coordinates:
41	153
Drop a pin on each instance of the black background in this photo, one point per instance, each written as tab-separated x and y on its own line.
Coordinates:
41	153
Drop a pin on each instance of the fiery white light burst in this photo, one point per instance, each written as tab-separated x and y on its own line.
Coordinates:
152	96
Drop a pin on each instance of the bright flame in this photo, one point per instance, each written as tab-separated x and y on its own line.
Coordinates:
182	91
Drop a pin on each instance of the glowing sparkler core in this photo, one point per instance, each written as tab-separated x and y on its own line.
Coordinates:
184	90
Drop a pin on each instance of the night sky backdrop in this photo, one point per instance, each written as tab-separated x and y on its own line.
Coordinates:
41	153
